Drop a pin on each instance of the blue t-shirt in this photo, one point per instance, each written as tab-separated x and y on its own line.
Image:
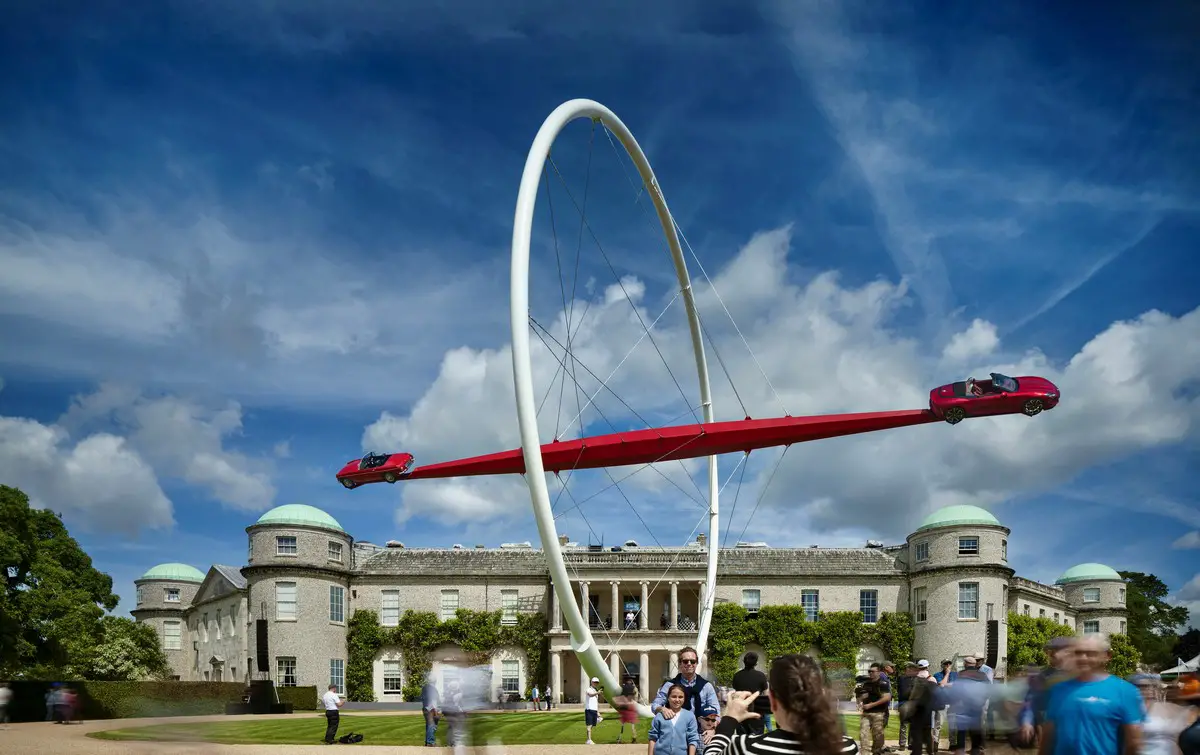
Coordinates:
1088	716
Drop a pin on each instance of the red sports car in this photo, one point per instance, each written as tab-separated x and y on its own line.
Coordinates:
374	468
1000	395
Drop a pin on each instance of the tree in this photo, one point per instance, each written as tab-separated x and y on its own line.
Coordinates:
1027	638
1188	646
1125	657
127	652
53	600
1153	623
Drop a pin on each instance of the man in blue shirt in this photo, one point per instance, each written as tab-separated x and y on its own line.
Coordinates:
700	692
944	679
1095	713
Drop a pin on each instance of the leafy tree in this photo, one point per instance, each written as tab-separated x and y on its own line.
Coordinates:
1125	657
1027	638
127	652
53	599
1188	646
1153	623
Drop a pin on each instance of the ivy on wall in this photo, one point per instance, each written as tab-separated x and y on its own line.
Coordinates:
1027	638
780	630
478	633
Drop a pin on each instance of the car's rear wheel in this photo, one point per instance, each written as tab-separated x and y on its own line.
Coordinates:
1033	406
349	484
954	415
390	476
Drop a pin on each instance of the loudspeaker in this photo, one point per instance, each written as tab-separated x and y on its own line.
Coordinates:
264	655
993	642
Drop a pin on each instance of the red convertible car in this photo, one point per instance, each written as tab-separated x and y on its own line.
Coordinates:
375	468
1000	395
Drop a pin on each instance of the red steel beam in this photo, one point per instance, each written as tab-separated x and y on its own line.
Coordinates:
679	442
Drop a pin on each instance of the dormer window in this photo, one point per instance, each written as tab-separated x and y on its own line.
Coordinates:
285	545
968	546
171	595
1091	595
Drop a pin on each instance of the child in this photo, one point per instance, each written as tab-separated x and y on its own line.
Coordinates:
626	704
709	716
677	735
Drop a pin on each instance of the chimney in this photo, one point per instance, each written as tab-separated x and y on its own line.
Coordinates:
564	539
701	539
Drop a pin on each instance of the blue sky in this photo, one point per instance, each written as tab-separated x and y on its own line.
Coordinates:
240	243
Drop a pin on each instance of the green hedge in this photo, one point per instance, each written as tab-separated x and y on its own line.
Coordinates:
102	700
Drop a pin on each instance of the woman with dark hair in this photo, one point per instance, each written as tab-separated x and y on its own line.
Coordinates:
805	713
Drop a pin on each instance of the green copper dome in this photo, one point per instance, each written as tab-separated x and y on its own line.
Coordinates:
175	572
299	513
1089	573
957	515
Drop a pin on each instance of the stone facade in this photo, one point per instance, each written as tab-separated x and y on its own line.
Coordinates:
306	579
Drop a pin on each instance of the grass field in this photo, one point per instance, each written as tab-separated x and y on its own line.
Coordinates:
309	728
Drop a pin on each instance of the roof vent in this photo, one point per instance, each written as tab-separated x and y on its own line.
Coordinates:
631	544
395	544
480	546
874	544
517	546
755	544
595	548
457	546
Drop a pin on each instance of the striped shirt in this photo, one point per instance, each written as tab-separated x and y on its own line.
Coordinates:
726	741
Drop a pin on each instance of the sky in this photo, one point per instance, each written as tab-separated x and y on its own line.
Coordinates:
244	242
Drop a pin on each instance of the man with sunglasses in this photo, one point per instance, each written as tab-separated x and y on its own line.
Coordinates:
700	692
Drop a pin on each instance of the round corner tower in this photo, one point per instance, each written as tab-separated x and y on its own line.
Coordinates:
1097	594
959	576
164	593
298	581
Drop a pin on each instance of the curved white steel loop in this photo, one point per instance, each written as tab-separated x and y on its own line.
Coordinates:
581	636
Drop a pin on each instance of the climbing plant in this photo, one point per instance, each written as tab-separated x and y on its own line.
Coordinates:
419	633
780	630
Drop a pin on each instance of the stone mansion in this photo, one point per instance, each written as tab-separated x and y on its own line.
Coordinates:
306	576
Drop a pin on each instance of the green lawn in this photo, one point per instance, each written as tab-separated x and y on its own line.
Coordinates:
309	727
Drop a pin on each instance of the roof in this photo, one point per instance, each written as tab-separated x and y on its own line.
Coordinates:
464	562
958	515
1089	573
176	572
299	513
233	574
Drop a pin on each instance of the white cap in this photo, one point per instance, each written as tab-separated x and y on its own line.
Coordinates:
922	663
595	678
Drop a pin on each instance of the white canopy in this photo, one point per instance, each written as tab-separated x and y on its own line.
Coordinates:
1184	668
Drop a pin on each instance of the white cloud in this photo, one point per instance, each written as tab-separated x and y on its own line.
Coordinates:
1189	596
828	349
1187	541
181	438
97	481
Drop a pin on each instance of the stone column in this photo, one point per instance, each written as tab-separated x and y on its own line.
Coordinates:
556	676
585	604
555	611
673	667
644	685
614	665
642	615
674	625
700	605
617	617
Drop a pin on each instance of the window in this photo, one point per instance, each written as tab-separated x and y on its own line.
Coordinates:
390	615
1004	550
1091	627
508	605
1123	627
1091	595
968	600
218	623
751	600
285	601
810	601
1026	609
172	636
232	620
337	675
141	595
991	611
285	545
1121	596
337	603
920	605
204	628
1056	617
923	550
171	595
250	549
510	677
868	605
1041	613
449	604
392	684
968	546
286	671
335	551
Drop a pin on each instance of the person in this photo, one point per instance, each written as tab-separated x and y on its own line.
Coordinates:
429	708
536	696
1187	693
699	690
904	688
707	721
804	709
1165	720
968	697
941	712
1095	713
677	733
591	707
626	704
331	702
5	698
751	679
873	699
921	701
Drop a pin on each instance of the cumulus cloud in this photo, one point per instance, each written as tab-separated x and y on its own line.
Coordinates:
1189	595
1187	541
827	348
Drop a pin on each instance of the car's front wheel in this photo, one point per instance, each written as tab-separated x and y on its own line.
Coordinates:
1033	406
348	484
954	415
389	477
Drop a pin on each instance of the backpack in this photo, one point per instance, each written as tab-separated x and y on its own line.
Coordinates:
350	739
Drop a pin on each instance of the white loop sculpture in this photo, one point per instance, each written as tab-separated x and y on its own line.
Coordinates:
581	637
